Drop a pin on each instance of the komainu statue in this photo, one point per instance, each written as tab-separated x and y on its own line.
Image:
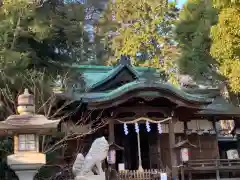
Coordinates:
90	166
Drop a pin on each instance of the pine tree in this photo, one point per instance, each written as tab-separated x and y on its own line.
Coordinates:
36	42
41	36
192	34
143	30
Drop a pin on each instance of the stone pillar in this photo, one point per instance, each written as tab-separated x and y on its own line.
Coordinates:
172	141
26	164
26	175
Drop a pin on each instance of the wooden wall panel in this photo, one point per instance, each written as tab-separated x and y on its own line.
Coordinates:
207	148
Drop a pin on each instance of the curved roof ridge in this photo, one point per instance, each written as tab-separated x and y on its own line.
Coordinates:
140	84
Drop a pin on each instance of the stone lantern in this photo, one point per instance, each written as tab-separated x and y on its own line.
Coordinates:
26	128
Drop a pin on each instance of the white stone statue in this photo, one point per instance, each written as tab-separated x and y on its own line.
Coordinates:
90	167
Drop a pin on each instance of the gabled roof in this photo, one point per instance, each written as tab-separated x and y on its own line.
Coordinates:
96	76
112	74
208	100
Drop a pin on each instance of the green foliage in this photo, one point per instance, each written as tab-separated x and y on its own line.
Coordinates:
192	34
41	36
225	3
35	41
226	42
6	148
142	30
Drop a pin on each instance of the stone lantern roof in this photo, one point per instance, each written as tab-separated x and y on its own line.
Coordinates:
27	121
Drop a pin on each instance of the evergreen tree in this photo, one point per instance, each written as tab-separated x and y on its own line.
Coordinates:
37	38
226	42
41	36
142	30
192	34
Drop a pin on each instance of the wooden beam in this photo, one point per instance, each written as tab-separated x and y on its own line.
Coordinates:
144	109
212	169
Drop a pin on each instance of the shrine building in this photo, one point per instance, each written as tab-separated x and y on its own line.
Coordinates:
155	125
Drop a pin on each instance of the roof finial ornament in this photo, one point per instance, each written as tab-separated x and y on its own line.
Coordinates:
224	90
25	103
125	60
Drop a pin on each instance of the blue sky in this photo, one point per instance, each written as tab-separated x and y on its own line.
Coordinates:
181	2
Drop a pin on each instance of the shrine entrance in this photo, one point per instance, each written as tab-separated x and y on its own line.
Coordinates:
130	144
146	143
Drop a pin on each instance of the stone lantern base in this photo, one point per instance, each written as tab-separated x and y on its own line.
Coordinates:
26	164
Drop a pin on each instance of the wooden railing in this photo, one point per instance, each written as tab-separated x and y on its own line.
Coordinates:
214	164
152	174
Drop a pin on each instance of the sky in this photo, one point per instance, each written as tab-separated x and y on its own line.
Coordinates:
181	2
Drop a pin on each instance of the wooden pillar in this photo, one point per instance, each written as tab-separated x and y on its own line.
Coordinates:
111	136
182	173
216	135
189	176
217	175
217	153
172	142
217	171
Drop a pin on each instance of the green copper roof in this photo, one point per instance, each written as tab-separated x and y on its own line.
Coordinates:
209	92
96	75
220	107
142	84
113	73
